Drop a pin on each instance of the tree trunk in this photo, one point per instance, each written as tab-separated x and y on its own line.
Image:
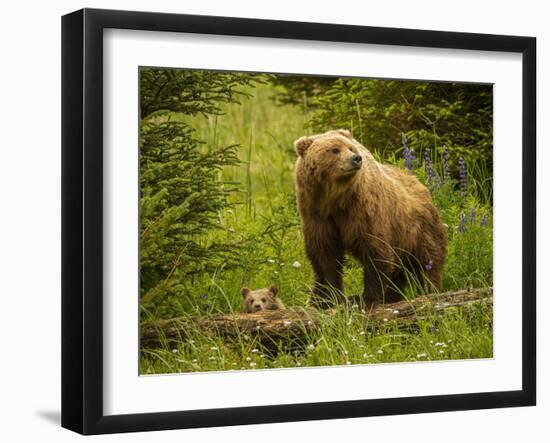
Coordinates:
293	325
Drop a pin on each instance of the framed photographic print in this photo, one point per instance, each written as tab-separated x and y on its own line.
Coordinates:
270	221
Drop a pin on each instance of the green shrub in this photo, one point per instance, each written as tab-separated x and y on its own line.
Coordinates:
182	191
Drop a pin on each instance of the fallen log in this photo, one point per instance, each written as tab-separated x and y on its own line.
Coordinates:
293	325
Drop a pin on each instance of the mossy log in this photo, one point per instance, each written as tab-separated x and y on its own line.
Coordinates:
294	324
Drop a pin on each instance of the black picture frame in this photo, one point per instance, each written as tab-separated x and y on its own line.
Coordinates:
82	218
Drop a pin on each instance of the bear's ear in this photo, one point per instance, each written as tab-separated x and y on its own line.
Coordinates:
273	290
302	144
345	133
245	291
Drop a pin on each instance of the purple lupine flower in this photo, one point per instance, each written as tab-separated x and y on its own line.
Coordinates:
483	220
408	156
430	172
408	153
428	266
462	176
446	169
433	177
203	296
462	224
472	216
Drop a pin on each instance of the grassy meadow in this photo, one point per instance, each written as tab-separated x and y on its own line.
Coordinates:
261	223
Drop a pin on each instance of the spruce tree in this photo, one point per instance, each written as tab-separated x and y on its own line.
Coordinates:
182	193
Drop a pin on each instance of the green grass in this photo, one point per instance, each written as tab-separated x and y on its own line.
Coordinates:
264	222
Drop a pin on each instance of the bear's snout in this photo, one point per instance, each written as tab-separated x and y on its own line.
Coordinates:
356	160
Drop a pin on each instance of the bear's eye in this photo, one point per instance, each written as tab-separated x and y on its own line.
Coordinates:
335	150
263	300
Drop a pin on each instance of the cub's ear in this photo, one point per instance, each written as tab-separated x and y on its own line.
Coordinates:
345	133
302	144
245	292
273	290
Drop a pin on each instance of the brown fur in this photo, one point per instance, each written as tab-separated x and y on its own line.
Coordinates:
380	214
265	299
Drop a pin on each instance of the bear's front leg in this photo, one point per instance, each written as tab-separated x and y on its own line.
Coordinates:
373	287
327	261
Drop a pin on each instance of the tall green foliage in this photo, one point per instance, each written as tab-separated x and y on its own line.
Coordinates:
188	92
379	111
182	192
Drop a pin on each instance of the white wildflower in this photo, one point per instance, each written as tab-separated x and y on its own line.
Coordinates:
421	355
248	359
254	351
396	312
311	347
252	364
380	351
270	260
362	333
175	351
296	264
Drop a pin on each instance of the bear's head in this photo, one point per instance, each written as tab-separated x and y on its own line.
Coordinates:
260	300
333	155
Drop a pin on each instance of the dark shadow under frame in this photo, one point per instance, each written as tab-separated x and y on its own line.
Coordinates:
82	220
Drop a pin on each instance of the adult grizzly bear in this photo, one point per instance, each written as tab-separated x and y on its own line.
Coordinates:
380	214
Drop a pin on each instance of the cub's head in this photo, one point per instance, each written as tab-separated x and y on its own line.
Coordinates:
333	155
260	300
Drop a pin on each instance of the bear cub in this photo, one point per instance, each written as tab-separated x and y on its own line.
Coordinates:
264	299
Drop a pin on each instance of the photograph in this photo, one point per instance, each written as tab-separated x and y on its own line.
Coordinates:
251	221
289	221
